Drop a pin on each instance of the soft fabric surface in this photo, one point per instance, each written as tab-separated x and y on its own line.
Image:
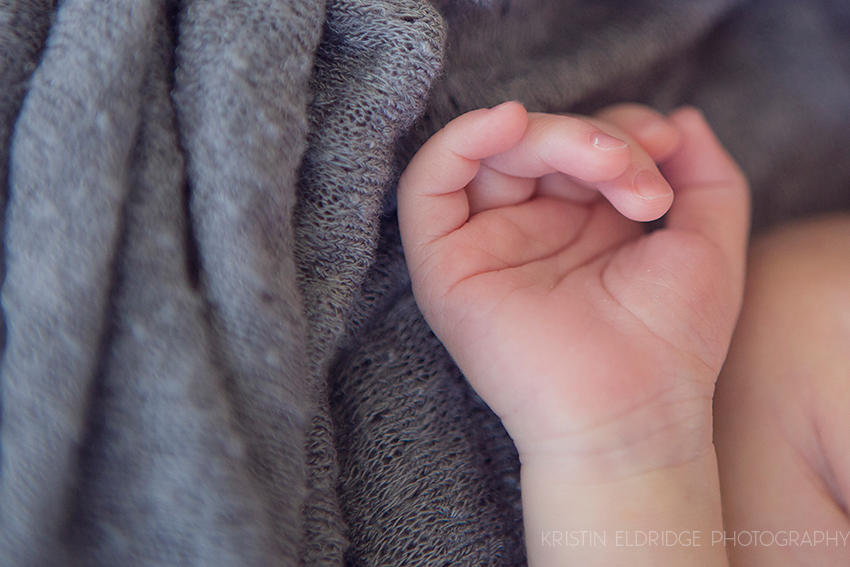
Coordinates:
212	356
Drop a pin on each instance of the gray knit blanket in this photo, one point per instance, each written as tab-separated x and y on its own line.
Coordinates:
211	353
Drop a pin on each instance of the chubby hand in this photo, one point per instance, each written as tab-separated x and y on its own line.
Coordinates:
596	342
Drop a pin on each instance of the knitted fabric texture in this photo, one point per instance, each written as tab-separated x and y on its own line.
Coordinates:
212	356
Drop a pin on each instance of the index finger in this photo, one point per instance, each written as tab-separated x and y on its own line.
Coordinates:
431	200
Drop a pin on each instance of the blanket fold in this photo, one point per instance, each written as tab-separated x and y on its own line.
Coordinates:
68	179
162	463
241	94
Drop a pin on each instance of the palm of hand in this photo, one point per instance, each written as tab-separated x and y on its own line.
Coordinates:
589	339
578	328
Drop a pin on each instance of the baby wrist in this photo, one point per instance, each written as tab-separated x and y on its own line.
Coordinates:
648	439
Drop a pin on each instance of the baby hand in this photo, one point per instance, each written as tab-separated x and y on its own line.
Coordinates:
596	343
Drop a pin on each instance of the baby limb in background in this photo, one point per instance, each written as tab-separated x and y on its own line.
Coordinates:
597	344
782	407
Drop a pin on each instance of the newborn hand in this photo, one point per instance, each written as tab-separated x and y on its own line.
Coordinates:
596	343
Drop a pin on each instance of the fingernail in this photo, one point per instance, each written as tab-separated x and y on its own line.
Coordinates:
605	142
649	186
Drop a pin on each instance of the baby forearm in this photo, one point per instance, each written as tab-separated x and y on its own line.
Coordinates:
660	518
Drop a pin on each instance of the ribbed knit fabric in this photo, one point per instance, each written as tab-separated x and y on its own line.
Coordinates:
212	356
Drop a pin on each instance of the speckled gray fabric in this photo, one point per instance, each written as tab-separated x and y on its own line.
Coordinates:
212	356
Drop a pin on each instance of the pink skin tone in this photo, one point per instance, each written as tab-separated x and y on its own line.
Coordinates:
597	344
592	341
783	398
